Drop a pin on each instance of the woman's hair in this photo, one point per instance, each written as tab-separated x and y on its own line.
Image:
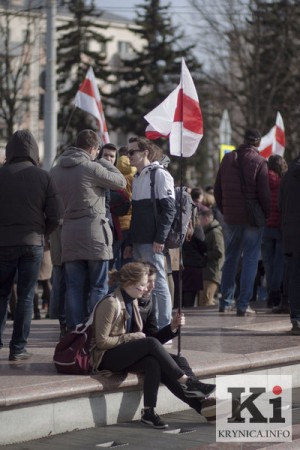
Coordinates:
130	273
151	268
278	164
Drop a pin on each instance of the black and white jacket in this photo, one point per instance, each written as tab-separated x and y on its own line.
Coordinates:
144	228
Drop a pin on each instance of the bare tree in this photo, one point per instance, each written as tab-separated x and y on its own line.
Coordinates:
17	37
250	50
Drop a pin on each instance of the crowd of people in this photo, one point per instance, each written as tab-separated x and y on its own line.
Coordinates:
95	210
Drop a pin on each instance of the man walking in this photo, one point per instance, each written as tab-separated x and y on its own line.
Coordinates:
147	232
29	211
86	234
241	239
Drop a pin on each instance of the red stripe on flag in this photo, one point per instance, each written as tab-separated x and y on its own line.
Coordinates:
280	136
192	115
87	88
178	115
266	152
152	135
188	111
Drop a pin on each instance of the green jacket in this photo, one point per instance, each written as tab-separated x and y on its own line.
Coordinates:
215	252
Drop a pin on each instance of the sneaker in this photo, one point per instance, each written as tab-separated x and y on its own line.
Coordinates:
20	356
195	388
248	312
225	309
150	417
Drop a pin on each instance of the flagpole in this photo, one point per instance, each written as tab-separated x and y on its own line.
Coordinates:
67	126
180	219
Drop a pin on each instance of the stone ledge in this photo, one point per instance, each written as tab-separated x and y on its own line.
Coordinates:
205	365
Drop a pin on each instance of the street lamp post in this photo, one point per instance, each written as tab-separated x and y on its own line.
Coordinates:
50	124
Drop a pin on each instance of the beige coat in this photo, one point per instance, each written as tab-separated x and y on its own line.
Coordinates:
109	326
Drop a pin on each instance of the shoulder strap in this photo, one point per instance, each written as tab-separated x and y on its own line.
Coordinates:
92	315
152	184
242	178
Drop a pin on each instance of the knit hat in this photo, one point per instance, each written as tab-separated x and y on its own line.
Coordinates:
252	135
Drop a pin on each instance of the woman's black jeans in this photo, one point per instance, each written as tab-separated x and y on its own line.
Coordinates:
145	355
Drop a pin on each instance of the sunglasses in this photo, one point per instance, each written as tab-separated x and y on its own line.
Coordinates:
132	152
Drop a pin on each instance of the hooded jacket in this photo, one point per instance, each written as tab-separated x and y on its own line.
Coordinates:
128	171
144	227
230	198
81	182
29	203
289	206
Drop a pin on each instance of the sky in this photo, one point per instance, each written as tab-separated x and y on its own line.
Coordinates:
180	8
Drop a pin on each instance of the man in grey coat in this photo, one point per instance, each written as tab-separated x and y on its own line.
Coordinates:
86	235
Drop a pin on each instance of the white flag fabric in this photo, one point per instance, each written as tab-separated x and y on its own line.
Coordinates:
179	116
88	99
273	143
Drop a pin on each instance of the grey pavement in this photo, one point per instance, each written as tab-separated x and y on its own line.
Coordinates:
212	342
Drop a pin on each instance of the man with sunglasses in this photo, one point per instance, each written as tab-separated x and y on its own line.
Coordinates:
148	233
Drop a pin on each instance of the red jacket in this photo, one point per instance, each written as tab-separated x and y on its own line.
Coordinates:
228	192
274	182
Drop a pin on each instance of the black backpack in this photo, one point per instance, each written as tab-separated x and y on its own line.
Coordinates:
176	235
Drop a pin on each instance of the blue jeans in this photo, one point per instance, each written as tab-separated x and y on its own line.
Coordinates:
273	259
292	286
163	304
86	283
25	260
245	241
57	309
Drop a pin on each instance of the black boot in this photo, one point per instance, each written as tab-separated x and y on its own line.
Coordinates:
274	299
282	308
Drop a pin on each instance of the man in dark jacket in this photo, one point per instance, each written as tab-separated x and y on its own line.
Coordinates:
241	239
29	211
290	213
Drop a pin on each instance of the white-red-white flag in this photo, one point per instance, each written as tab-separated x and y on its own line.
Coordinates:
88	98
179	117
273	143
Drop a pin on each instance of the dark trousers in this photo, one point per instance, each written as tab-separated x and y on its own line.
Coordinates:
26	261
148	356
176	389
291	285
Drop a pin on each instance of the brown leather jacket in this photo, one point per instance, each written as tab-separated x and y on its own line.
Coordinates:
109	326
